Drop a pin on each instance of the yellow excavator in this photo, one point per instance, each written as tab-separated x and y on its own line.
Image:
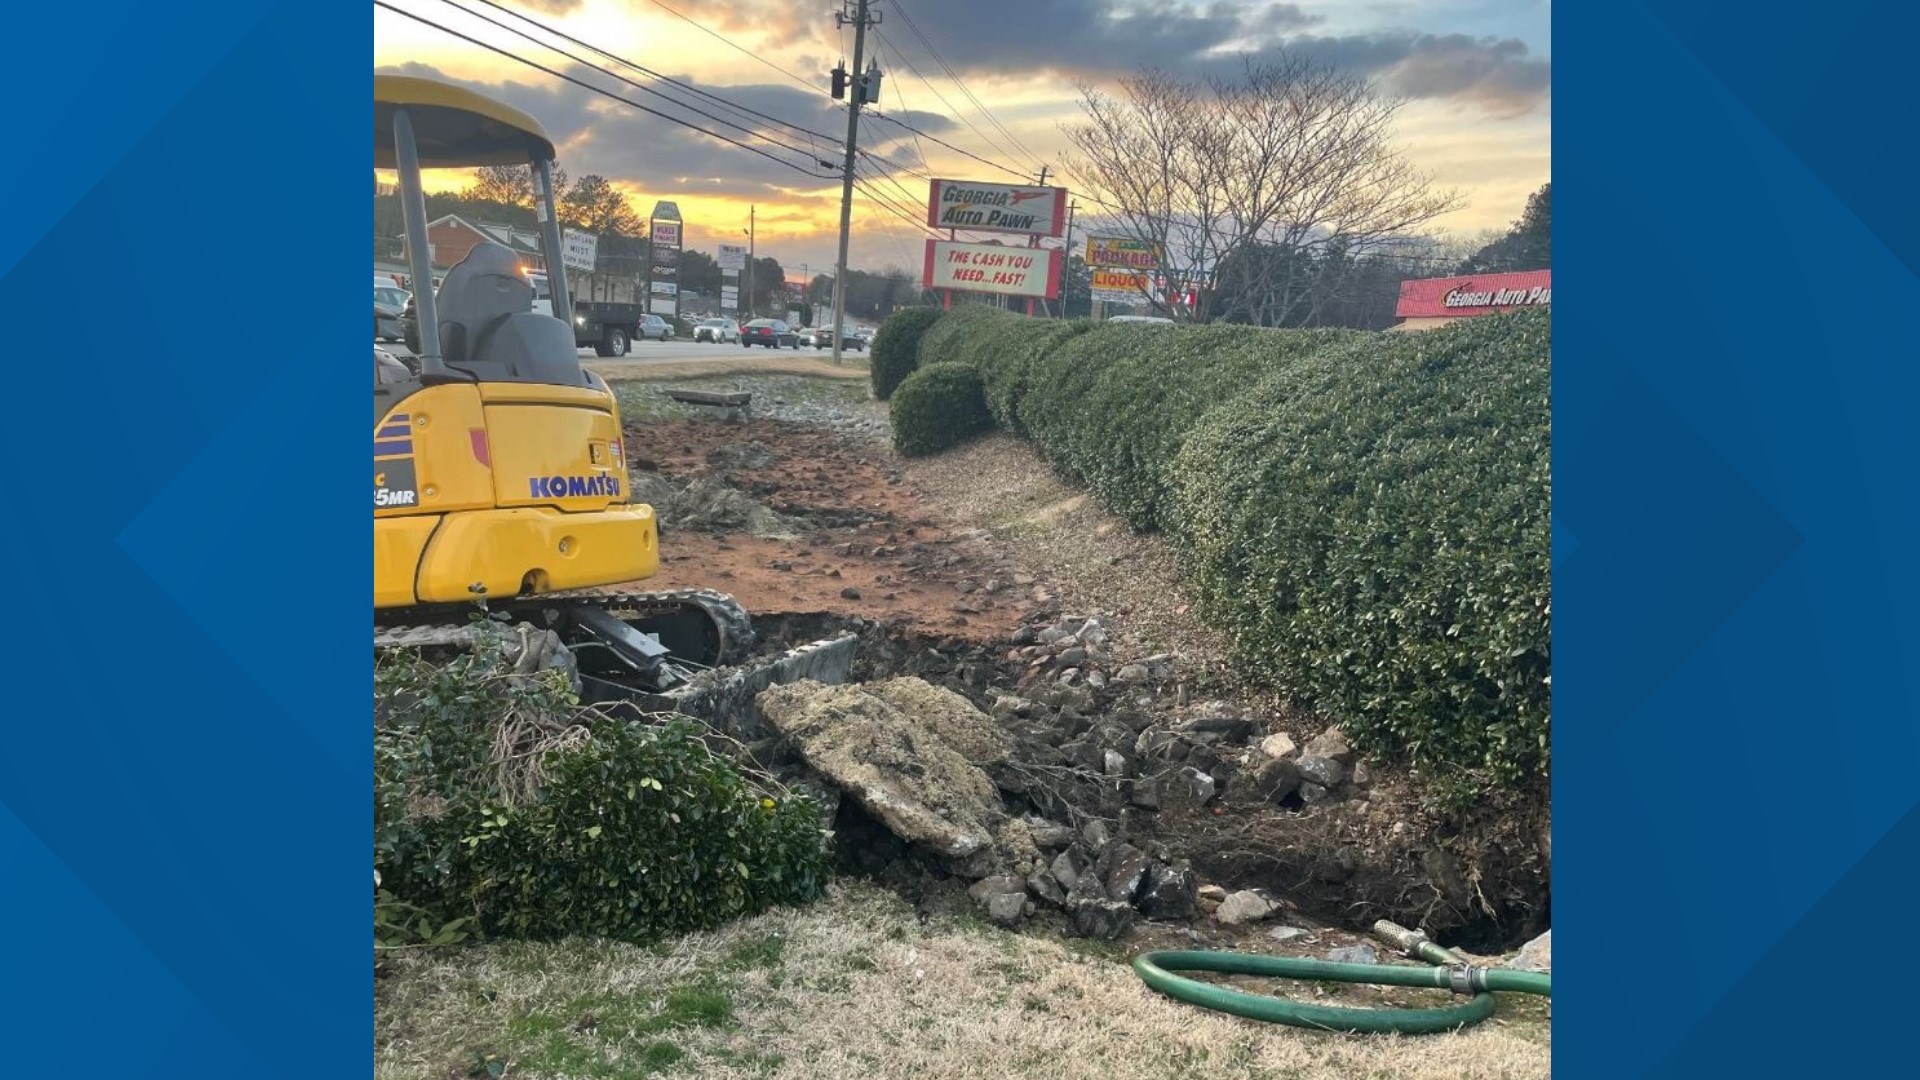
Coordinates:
499	464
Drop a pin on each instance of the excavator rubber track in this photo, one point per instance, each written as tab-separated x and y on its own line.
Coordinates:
688	651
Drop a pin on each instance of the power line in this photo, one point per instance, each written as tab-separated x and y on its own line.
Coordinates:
735	46
902	56
901	97
942	142
743	110
751	131
901	10
887	202
598	90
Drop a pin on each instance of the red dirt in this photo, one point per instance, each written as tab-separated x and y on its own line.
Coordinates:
859	528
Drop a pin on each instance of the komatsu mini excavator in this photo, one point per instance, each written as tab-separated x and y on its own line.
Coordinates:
499	468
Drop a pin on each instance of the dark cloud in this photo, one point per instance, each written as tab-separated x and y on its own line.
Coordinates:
596	134
1100	39
1500	75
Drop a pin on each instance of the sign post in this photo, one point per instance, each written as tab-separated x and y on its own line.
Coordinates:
733	259
663	232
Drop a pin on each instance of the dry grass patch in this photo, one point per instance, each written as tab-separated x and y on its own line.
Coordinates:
859	985
1001	484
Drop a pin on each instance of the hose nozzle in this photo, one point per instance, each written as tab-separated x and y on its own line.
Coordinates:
1415	945
1407	941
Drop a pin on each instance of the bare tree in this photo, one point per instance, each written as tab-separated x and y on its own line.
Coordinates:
1250	174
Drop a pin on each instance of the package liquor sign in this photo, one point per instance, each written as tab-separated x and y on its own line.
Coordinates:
993	268
1122	253
1111	284
975	207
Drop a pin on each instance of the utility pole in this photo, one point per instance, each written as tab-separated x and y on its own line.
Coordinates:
1066	258
751	211
863	83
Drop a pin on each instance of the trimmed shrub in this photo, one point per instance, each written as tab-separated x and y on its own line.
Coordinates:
498	798
896	347
1053	411
944	340
1374	530
1004	354
938	407
1134	416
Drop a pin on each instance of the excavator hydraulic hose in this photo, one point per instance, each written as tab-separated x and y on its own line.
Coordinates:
1451	972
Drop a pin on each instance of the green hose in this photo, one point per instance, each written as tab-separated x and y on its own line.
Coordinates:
1156	970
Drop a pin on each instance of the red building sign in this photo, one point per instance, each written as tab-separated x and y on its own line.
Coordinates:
1478	294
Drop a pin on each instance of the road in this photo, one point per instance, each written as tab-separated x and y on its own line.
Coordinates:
687	360
681	351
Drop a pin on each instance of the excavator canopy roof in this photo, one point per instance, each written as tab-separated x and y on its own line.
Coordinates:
453	127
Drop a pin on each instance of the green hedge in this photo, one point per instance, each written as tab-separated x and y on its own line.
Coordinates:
896	348
1121	433
1004	351
938	407
1366	513
1374	530
498	800
944	340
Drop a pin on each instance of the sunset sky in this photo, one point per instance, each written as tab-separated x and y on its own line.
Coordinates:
1475	74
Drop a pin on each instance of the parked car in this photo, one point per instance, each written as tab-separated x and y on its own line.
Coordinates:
655	328
718	331
388	368
1150	320
771	333
389	303
822	338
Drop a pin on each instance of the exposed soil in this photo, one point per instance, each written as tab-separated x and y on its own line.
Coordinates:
862	543
945	567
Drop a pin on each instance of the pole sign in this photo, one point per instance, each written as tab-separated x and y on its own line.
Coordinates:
976	207
1122	253
663	239
993	268
578	249
732	256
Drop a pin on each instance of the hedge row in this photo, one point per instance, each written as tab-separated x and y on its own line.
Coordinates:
1365	513
1376	533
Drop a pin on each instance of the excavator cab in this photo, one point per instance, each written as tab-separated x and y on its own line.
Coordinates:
497	471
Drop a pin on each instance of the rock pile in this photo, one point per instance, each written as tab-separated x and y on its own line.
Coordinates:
930	768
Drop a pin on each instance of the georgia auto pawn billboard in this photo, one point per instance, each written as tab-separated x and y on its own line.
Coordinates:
993	268
975	207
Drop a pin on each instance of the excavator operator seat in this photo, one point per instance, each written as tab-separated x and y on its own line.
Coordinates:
488	327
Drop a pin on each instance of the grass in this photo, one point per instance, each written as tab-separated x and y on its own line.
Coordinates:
859	985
